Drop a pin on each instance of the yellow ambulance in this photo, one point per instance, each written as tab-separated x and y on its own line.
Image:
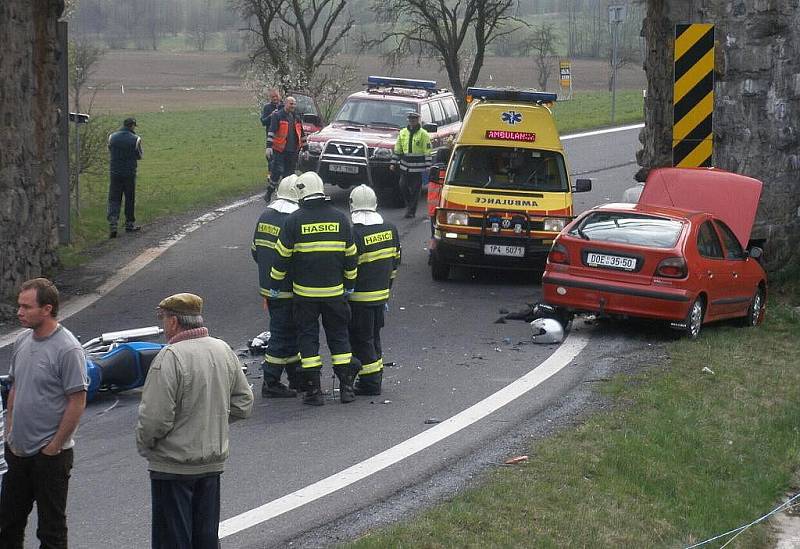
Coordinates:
507	191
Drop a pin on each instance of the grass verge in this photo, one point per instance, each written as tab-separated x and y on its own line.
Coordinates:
195	159
681	456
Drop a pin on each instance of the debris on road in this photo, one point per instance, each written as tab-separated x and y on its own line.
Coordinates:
432	420
707	370
258	345
516	459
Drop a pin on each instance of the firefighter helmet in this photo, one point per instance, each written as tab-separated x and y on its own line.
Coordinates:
309	185
286	189
547	330
363	198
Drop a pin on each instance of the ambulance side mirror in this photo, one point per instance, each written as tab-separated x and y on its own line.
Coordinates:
430	128
582	186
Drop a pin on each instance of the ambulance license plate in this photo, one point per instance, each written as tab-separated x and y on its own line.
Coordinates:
611	261
342	168
497	249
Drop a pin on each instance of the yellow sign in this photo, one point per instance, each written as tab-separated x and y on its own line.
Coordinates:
565	72
314	228
375	238
693	96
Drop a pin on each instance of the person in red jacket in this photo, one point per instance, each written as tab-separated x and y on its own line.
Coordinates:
285	139
436	182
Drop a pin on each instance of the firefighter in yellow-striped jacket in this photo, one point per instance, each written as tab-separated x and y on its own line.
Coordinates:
378	245
316	251
282	353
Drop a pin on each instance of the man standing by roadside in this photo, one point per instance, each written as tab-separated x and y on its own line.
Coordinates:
267	110
125	151
285	139
47	398
282	353
412	153
193	384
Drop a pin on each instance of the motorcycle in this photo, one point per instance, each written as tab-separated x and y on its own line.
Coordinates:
115	361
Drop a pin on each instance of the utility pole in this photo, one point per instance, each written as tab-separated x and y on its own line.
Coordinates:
616	15
78	119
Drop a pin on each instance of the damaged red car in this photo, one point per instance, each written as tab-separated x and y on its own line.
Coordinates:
680	254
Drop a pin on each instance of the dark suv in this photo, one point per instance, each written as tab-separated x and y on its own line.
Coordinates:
356	147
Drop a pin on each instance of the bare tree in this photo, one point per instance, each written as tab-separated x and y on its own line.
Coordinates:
295	35
83	58
447	30
542	43
198	25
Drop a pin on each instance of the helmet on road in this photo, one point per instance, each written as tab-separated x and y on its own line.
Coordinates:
363	198
547	330
286	189
309	185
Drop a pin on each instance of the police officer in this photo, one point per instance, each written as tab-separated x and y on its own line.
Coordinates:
282	353
378	245
412	154
285	139
316	250
125	150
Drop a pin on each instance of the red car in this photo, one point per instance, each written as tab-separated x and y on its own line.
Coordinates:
679	255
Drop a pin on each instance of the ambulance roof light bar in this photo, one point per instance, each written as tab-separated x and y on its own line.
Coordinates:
407	83
501	94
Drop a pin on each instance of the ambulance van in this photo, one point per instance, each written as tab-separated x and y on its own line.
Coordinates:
507	191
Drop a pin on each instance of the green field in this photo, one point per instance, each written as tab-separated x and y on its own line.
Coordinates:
197	159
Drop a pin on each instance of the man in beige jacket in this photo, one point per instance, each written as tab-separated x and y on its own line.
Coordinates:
194	384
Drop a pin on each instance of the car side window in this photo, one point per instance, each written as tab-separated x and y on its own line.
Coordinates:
708	243
425	113
450	109
733	250
438	114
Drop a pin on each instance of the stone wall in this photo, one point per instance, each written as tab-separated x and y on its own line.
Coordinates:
756	103
28	141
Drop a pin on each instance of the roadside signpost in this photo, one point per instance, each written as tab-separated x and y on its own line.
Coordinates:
565	78
616	15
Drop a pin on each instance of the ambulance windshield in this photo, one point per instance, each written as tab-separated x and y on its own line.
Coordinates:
508	168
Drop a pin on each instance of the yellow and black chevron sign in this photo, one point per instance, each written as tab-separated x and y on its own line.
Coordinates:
693	98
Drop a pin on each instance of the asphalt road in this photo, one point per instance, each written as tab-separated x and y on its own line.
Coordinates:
447	352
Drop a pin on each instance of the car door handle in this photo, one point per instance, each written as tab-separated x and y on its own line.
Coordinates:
735	275
709	274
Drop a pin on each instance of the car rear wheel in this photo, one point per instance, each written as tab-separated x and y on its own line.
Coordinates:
439	271
694	318
756	310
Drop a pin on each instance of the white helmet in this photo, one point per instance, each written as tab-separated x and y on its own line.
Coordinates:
547	330
309	184
286	189
363	198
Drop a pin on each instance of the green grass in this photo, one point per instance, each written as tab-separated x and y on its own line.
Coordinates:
593	110
681	456
191	160
195	159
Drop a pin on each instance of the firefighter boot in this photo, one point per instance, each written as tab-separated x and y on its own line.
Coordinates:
313	396
347	375
369	385
272	386
294	375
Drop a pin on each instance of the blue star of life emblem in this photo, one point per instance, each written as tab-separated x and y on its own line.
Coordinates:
511	117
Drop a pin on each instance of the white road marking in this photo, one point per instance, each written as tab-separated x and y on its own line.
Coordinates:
75	305
601	132
573	345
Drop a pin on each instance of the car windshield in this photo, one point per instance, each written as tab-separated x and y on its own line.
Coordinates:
305	105
508	168
371	112
629	228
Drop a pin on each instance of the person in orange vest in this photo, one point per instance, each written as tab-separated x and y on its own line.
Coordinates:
285	139
436	182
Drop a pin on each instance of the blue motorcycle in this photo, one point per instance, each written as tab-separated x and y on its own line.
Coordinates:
115	361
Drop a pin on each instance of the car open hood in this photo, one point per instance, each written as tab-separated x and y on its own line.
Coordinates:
731	197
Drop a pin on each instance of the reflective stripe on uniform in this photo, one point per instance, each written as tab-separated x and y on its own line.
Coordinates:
311	362
264	243
377	295
282	360
275	274
393	275
385	253
308	291
371	368
320	246
351	274
281	295
351	250
341	359
283	250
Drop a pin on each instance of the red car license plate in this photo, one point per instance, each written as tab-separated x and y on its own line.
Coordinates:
613	261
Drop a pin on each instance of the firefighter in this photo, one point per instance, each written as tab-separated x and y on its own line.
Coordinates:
378	245
412	153
316	250
282	353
